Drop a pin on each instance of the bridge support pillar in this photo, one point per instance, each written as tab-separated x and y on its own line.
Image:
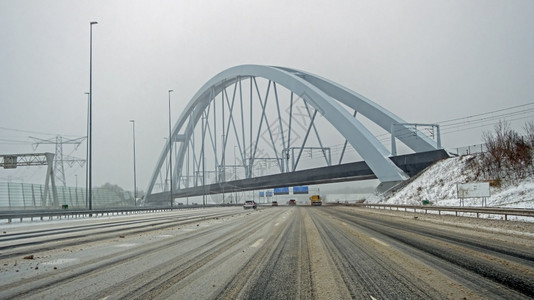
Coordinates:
387	186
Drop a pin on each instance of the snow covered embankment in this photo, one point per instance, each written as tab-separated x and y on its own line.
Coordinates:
438	185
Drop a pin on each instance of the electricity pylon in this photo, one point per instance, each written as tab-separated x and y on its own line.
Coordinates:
60	159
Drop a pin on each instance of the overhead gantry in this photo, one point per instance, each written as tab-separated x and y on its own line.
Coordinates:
240	109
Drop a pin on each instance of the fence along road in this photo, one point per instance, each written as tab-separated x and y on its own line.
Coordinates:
269	253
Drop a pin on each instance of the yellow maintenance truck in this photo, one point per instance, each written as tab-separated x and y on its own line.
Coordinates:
316	200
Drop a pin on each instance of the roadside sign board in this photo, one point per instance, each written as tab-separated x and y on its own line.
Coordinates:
300	190
10	162
473	190
281	191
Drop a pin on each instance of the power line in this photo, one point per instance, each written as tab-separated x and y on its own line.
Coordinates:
6	141
469	124
487	113
500	116
505	116
485	125
33	132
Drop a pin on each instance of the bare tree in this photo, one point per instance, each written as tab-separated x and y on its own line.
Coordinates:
509	155
529	139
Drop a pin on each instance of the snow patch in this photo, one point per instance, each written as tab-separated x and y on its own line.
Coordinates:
438	183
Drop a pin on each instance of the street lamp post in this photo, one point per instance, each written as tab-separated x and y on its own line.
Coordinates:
170	146
135	178
235	176
91	114
87	154
76	189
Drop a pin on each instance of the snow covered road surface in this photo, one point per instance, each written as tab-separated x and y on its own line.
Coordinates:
270	253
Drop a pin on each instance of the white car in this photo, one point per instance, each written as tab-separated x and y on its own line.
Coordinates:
249	204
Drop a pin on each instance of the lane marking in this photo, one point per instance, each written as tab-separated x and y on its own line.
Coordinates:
164	235
380	242
257	243
60	261
125	245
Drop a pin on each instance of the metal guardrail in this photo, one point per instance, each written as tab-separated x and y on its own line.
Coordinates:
60	214
471	149
456	209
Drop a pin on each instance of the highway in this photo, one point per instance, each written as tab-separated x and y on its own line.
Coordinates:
270	253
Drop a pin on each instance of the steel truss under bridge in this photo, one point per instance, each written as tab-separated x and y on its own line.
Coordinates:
251	122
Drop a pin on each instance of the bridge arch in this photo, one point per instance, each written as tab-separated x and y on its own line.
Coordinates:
327	98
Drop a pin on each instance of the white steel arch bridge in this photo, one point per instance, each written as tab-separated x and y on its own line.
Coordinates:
254	127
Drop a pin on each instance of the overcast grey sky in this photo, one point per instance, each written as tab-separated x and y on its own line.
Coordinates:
426	61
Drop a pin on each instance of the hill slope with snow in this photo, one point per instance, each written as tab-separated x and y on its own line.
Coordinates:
438	185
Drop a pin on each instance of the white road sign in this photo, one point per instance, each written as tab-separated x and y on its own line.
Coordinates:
473	190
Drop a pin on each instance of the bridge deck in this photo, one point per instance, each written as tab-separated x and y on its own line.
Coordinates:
411	164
